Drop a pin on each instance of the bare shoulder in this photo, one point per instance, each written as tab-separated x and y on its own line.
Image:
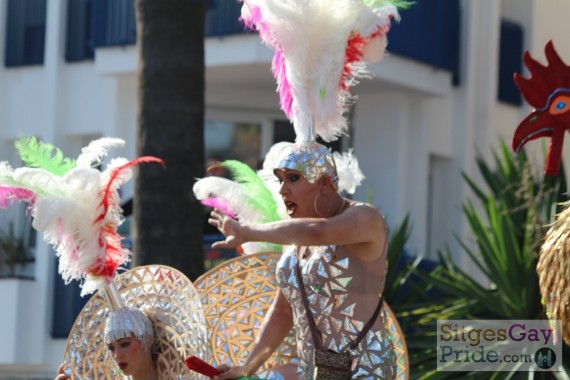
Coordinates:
371	229
366	210
369	216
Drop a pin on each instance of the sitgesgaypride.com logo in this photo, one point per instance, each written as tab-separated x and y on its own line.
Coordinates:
499	345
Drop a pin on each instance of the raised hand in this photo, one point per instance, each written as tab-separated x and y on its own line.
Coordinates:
231	228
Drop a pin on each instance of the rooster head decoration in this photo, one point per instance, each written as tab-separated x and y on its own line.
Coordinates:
548	91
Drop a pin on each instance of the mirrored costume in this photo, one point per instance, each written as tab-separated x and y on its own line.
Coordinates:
342	294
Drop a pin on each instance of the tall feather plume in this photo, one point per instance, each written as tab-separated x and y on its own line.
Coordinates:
109	218
118	176
36	154
97	149
319	54
259	195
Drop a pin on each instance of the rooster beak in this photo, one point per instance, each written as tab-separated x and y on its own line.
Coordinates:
542	124
534	126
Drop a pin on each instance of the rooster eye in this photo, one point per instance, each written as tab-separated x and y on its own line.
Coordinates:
559	105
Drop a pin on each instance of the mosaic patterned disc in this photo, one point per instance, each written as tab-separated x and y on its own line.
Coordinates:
170	300
237	294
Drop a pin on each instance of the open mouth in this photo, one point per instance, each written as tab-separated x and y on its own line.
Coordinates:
122	366
291	207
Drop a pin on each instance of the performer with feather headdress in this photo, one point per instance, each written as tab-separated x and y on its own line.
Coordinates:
149	318
331	275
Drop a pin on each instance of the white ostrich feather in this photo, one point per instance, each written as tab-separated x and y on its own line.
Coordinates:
349	174
96	150
39	181
5	169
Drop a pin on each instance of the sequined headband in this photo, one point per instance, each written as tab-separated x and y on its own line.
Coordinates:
312	160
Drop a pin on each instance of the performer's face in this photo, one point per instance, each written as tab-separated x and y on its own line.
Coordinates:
297	193
128	354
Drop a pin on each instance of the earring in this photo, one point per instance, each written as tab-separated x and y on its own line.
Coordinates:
317	208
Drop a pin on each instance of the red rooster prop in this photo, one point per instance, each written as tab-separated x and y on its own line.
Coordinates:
548	91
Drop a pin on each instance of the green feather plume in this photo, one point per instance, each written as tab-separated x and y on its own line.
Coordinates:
37	154
259	196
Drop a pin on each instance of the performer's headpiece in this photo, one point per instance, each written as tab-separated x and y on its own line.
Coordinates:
548	91
321	50
123	321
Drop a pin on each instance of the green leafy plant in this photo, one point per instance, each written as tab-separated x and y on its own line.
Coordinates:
507	223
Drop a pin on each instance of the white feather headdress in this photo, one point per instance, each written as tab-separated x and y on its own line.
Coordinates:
321	49
74	205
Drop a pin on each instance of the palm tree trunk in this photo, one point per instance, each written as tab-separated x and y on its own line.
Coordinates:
168	220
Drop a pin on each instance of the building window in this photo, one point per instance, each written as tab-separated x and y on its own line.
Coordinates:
510	62
79	38
25	35
228	140
17	236
17	243
114	23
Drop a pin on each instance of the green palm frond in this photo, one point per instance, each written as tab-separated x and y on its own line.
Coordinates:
508	219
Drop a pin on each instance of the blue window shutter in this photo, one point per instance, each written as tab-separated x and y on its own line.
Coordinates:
114	23
16	18
35	32
67	304
510	61
429	33
79	39
25	34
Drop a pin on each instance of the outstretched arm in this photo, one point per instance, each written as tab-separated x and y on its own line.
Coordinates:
360	223
276	325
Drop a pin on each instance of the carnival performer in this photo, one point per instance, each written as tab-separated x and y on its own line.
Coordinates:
332	272
134	315
129	337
